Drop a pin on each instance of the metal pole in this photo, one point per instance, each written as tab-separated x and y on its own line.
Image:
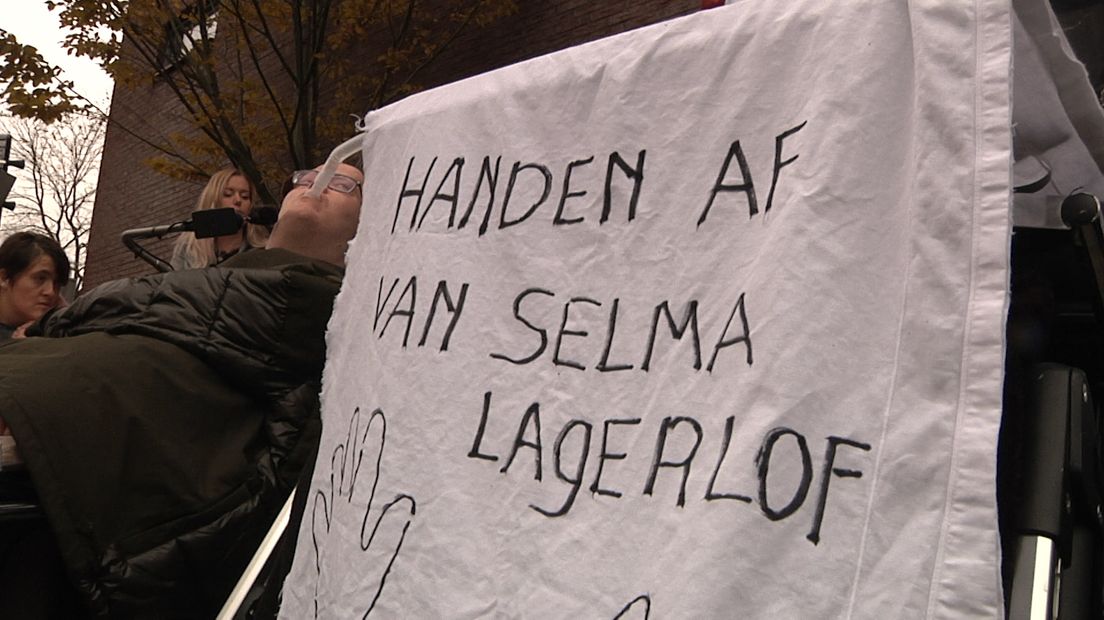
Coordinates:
257	563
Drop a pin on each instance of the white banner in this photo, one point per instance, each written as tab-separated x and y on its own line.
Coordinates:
704	320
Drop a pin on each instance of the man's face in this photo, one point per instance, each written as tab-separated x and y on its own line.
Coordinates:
330	218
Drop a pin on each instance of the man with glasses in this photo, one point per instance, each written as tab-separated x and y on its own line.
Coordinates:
320	227
163	420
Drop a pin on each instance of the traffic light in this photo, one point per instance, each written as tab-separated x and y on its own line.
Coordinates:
6	182
6	179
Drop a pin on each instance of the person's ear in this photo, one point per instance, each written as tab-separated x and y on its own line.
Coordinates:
4	281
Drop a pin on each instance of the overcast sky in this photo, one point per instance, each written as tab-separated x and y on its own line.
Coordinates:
34	25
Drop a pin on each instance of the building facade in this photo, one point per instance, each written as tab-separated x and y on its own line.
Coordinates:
131	195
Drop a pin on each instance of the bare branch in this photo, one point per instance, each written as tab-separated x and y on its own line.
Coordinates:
57	187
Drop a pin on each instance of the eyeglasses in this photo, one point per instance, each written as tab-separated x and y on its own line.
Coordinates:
338	183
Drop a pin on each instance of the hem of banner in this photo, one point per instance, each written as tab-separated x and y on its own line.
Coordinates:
968	581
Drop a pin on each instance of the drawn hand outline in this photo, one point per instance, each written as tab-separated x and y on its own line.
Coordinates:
641	607
346	465
333	531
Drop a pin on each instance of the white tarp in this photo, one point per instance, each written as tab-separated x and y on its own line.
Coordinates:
700	321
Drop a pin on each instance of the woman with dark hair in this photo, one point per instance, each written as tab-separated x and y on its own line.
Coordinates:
33	268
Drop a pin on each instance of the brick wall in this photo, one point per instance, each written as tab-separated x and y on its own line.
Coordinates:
543	27
130	195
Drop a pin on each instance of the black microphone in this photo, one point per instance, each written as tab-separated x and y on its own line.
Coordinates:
226	221
214	223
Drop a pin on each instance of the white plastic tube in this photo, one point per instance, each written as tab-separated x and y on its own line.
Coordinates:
340	153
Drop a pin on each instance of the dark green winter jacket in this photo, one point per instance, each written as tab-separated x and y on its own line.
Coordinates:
163	420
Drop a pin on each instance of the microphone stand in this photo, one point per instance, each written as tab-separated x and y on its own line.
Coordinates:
205	224
130	240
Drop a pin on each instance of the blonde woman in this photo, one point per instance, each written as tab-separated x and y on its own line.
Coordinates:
227	188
